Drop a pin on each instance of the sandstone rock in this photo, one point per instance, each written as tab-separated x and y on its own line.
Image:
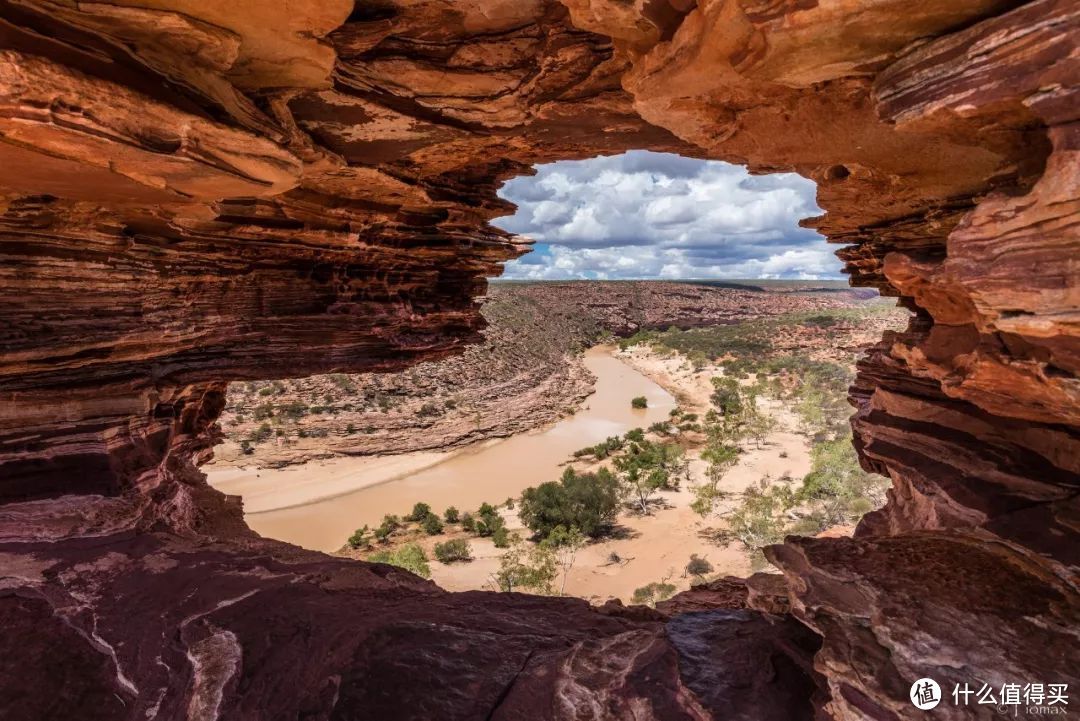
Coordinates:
197	193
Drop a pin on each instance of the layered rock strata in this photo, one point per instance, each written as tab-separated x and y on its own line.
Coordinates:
195	193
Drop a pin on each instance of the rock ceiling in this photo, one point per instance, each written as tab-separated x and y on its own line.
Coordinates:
197	192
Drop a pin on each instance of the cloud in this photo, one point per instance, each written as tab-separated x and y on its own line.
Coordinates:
657	215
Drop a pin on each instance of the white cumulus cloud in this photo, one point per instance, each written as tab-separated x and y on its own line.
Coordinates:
656	215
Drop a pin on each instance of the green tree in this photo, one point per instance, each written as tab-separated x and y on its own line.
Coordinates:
420	511
410	557
431	525
488	520
640	478
838	485
706	495
526	568
457	549
468	522
501	538
587	501
451	515
565	544
725	396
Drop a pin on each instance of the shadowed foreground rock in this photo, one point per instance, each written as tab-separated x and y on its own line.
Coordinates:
196	192
160	628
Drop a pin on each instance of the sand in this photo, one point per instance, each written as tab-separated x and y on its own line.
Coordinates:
658	546
319	505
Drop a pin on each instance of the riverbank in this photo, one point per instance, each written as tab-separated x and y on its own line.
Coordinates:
654	547
526	375
318	506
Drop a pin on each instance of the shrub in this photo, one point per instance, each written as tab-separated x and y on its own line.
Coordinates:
432	525
698	566
419	512
501	538
639	402
526	568
636	435
489	521
451	515
588	501
651	593
410	557
245	447
359	538
509	504
468	523
389	525
457	549
726	396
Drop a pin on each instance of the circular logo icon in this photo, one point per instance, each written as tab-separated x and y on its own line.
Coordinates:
925	694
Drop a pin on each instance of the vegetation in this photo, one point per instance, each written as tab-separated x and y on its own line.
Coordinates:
359	538
586	501
410	557
526	567
651	594
564	544
420	511
639	402
389	524
432	525
698	567
451	515
454	550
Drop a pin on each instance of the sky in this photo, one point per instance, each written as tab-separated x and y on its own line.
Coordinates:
657	215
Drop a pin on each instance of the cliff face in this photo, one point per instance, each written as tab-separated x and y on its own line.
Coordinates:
195	193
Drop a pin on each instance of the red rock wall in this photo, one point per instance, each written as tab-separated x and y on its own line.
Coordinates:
193	193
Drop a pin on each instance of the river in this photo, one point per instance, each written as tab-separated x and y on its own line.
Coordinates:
318	505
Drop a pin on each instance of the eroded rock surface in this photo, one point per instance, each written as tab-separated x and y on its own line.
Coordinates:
195	193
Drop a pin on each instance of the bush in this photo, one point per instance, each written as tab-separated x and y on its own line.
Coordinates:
468	523
501	538
651	593
636	435
457	549
389	525
359	538
431	525
410	557
521	567
419	512
726	396
698	566
489	520
589	501
639	402
451	515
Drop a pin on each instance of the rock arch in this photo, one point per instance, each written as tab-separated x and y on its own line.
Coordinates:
194	193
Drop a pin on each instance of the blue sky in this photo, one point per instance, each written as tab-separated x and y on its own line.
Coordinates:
657	215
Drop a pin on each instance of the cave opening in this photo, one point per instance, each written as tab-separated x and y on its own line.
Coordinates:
196	194
684	285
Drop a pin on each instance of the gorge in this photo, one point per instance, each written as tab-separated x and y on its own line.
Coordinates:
195	193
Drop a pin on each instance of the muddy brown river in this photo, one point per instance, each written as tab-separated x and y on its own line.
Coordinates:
318	505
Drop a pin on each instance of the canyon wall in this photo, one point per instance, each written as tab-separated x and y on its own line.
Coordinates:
194	193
